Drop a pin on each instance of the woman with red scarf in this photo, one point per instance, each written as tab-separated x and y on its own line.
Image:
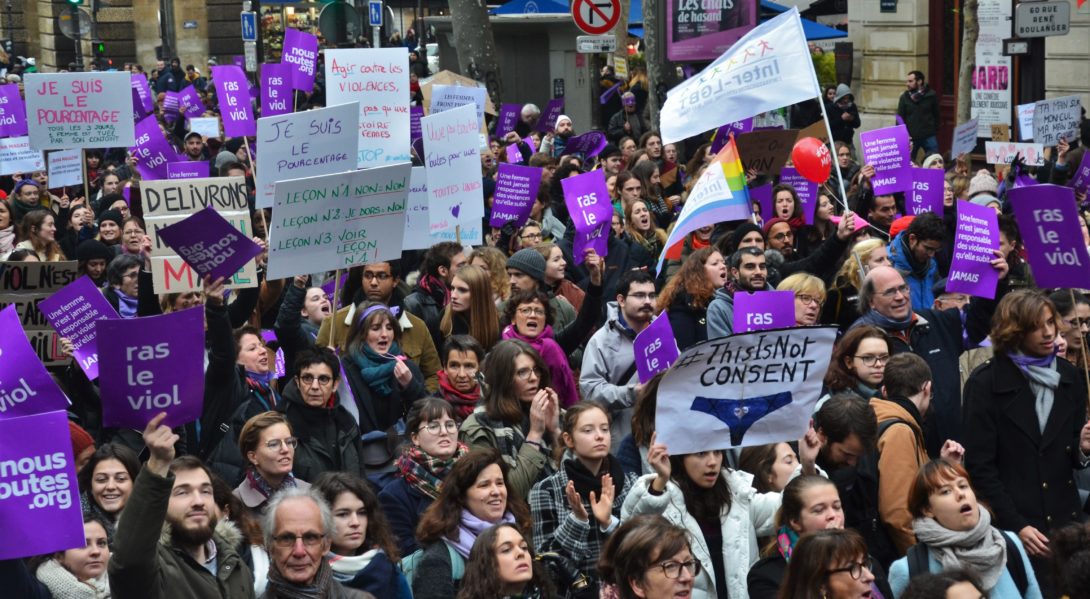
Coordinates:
458	379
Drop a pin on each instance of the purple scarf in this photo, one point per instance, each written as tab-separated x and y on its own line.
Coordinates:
563	382
470	528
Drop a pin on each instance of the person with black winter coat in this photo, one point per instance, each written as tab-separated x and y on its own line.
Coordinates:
843	115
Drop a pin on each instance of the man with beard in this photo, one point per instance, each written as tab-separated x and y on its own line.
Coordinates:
558	140
748	273
194	555
194	147
608	374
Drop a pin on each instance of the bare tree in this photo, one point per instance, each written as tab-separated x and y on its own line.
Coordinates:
970	30
620	32
654	56
476	45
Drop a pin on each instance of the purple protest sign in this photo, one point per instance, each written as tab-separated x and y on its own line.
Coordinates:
763	310
187	170
210	244
925	195
40	511
596	239
1048	219
330	286
276	92
143	103
171	106
722	134
654	348
190	103
12	111
763	196
516	190
415	114
508	120
238	61
233	94
152	150
975	238
887	151
553	109
74	312
587	144
151	365
513	153
301	52
1080	182
591	210
25	385
806	189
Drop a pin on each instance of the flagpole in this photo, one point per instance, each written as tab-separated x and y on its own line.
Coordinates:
836	162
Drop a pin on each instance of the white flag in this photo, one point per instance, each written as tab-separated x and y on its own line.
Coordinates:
768	68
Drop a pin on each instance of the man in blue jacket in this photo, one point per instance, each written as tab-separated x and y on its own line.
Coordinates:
912	252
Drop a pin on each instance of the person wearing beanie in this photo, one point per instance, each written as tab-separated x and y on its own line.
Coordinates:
526	270
987	199
843	115
611	159
555	142
222	159
83	446
109	227
983	182
900	225
933	161
195	150
94	256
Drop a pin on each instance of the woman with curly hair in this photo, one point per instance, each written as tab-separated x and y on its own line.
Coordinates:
502	565
492	261
687	295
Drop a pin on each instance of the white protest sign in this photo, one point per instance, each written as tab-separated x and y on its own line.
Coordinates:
305	144
206	126
338	221
452	158
378	78
16	156
446	97
743	390
1025	121
964	138
79	110
65	168
1003	152
417	224
1056	118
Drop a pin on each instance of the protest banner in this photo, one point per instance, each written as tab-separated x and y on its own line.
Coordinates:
806	189
25	385
744	390
766	69
700	32
65	167
452	158
143	103
380	78
190	104
417	222
206	126
276	92
305	144
591	210
74	312
79	110
514	155
1055	118
516	190
975	238
40	511
766	151
508	119
12	111
16	156
654	348
301	52
187	170
587	144
552	111
151	365
415	114
236	105
926	192
170	201
446	97
338	221
722	134
887	150
1025	121
25	284
763	310
210	244
1048	219
152	151
964	138
1080	180
170	106
1003	152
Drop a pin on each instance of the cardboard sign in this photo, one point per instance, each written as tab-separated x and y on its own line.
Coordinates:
210	244
1001	132
25	386
766	151
236	106
516	190
591	211
276	91
1049	222
24	285
65	168
1056	118
887	150
1025	121
79	110
152	151
12	111
654	348
816	130
377	78
1003	152
806	189
417	221
16	156
301	52
763	310
447	97
74	313
206	126
187	170
762	195
926	192
552	111
975	238
143	103
452	158
1080	180
508	120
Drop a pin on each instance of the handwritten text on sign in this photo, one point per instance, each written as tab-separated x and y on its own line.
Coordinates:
379	79
305	144
452	158
25	285
79	110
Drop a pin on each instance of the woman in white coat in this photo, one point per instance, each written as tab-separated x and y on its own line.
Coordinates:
719	508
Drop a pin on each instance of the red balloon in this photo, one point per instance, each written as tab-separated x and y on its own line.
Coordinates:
812	159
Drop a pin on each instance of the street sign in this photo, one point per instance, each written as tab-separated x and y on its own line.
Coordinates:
593	44
1042	19
596	17
249	26
249	49
374	13
1014	47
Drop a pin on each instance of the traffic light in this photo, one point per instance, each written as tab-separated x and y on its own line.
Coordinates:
100	48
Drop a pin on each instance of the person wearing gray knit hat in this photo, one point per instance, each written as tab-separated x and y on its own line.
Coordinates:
526	270
983	182
986	199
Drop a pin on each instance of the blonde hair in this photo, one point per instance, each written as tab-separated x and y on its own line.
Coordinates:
497	269
484	321
803	283
851	272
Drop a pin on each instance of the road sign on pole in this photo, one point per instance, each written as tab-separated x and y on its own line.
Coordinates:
374	13
249	26
250	55
596	17
593	44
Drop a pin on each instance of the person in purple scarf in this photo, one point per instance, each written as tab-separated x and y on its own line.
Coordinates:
531	321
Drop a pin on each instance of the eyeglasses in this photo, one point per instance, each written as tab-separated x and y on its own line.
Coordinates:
524	373
308	379
673	569
274	444
855	570
895	291
643	296
136	232
433	427
783	236
527	311
378	276
530	236
286	540
1080	323
872	360
809	299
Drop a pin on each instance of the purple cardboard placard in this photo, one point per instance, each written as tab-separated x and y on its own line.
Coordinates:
152	151
508	119
975	237
588	200
763	196
763	310
806	189
887	151
1080	181
415	114
654	348
301	52
513	153
553	109
239	61
276	92
190	103
722	134
516	190
187	170
596	239
926	192
25	386
171	106
40	512
210	244
1049	222
143	103
151	365
588	144
74	312
12	111
233	94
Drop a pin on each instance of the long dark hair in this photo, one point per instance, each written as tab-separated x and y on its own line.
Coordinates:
481	578
838	377
703	504
378	534
814	555
109	451
501	402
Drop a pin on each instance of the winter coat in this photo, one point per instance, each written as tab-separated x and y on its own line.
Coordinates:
843	130
1004	589
434	578
329	438
899	256
615	130
254	500
901	452
689	322
379	576
608	374
380	412
922	117
403	505
560	373
525	461
721	314
425	307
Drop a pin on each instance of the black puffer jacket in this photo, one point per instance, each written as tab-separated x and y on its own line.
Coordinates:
329	438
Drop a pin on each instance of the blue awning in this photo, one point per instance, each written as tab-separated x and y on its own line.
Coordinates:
636	31
812	30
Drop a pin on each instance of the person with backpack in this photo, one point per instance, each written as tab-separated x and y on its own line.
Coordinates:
955	531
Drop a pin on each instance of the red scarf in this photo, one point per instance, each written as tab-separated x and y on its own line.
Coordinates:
698	244
463	402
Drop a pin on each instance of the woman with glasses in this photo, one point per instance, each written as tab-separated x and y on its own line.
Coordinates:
123	289
502	565
842	307
527	237
647	557
809	297
859	362
471	310
268	446
134	239
520	414
476	496
954	530
362	552
1074	324
830	564
531	322
425	462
